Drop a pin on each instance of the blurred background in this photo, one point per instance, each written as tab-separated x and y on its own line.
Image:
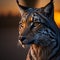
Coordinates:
9	20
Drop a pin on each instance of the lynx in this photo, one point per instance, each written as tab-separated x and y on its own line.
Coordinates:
38	29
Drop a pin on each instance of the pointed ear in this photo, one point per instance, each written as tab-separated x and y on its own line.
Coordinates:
22	8
49	8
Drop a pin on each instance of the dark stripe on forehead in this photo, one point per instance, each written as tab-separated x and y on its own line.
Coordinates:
31	12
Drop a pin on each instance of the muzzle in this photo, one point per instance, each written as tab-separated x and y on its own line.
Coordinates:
20	41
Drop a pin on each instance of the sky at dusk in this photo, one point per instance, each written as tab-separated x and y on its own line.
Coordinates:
7	6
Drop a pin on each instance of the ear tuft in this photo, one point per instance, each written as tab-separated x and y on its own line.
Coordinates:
22	8
49	8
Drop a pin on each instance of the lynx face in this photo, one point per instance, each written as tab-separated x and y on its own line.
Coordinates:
36	25
29	26
32	30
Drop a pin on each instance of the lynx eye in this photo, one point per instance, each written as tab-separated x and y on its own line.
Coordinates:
36	24
22	24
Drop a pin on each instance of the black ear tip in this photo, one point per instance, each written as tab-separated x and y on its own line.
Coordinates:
51	0
49	8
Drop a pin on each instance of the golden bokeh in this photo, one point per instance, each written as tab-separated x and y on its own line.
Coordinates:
57	18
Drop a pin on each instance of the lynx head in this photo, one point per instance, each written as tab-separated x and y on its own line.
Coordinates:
33	20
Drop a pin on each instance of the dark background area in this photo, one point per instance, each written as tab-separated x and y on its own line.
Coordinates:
9	50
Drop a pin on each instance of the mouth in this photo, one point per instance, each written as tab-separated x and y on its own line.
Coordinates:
20	41
25	43
21	44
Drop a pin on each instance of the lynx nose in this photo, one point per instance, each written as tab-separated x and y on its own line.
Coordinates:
20	41
22	38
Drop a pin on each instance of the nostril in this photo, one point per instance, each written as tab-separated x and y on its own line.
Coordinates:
22	38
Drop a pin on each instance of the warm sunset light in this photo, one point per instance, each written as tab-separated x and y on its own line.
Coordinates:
39	41
57	18
10	6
